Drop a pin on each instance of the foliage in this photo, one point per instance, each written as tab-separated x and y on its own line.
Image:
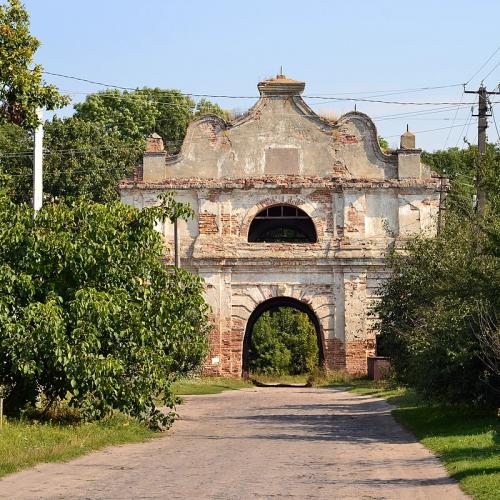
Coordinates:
438	314
88	311
22	90
206	107
383	143
460	165
136	114
81	159
283	342
429	313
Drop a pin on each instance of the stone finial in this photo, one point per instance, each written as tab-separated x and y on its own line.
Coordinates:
407	140
154	144
280	86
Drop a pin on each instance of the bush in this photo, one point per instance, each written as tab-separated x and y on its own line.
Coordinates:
284	342
90	314
432	311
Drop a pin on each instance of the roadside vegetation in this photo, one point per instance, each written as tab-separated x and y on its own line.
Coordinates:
24	443
91	319
438	314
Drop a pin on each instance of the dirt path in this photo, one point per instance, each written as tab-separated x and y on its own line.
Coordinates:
262	443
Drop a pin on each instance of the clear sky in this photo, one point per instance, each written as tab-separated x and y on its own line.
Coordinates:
340	48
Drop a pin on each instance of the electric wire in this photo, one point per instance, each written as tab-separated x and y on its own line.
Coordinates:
483	65
464	129
223	96
454	119
494	68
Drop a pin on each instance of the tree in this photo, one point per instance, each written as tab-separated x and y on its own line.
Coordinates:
206	107
22	90
81	159
384	145
438	310
89	313
136	114
283	342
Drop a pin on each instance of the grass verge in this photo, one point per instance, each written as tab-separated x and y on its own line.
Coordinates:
466	439
24	444
207	385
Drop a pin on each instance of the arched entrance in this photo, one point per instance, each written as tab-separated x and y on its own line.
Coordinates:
270	305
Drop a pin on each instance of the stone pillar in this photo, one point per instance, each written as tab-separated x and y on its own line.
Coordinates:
409	166
153	160
357	345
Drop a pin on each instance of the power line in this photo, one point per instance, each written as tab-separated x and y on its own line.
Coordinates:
424	131
483	65
221	96
495	122
466	130
494	68
454	119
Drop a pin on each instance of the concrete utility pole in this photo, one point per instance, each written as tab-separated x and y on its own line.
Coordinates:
38	164
177	244
482	125
443	190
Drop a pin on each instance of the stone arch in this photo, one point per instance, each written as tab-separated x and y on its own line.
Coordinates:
293	201
274	303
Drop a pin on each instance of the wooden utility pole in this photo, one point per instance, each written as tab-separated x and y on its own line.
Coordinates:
482	125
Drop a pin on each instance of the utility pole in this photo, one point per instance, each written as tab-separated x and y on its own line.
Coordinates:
443	190
38	165
177	245
482	125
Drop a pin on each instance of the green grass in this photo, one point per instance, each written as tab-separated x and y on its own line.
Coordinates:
466	439
24	444
208	385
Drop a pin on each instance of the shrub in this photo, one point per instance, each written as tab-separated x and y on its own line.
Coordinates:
284	342
432	309
90	314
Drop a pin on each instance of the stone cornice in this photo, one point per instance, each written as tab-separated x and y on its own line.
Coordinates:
277	182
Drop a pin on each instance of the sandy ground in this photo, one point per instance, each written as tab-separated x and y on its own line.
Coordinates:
256	443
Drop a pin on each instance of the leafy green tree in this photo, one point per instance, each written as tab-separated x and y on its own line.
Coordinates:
283	342
136	114
269	354
206	107
438	313
461	166
383	143
22	89
90	314
81	159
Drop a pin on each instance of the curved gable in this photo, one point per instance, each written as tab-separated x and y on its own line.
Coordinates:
280	135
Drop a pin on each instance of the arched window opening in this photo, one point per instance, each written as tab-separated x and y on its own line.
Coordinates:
282	224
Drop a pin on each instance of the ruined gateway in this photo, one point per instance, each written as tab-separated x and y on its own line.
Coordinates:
291	209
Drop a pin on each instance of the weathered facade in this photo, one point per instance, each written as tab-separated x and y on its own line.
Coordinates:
338	203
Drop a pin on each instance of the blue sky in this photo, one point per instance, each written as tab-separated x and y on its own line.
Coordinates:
364	48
